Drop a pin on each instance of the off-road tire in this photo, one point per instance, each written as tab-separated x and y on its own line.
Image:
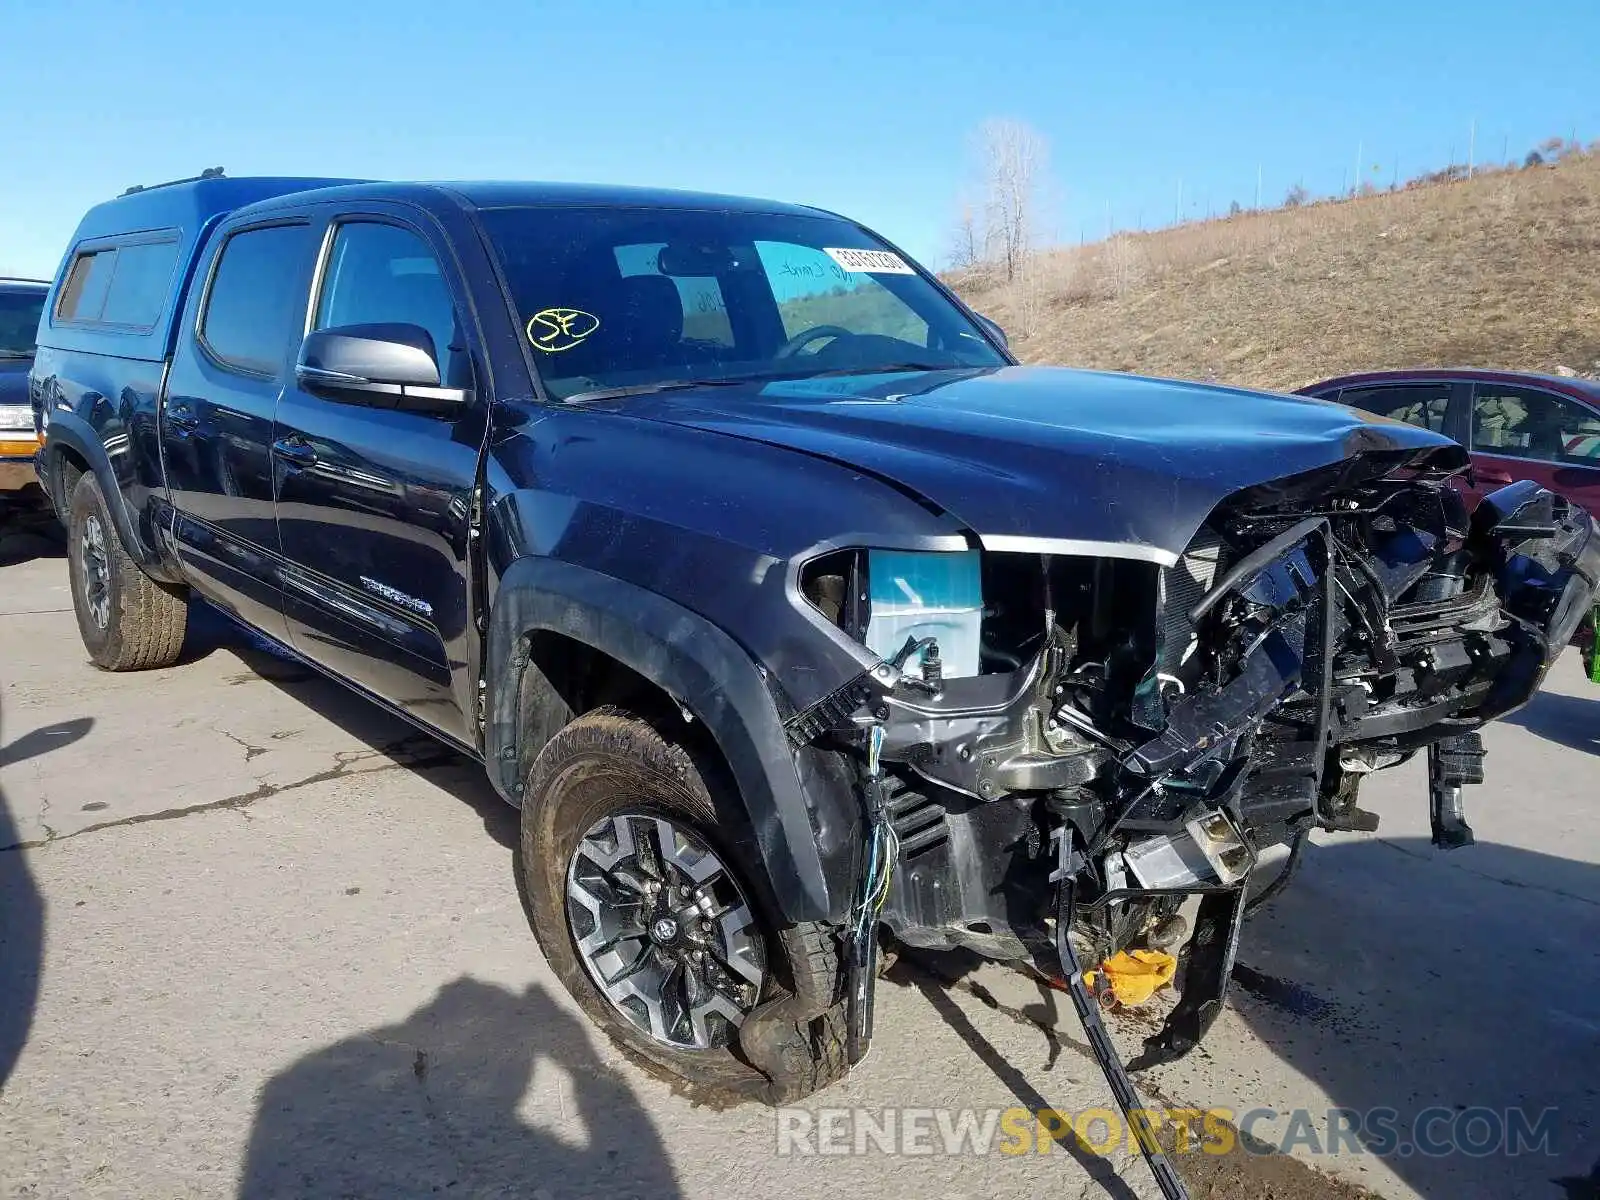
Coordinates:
608	760
145	619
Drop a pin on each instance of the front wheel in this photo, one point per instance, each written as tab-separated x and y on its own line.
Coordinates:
650	911
127	620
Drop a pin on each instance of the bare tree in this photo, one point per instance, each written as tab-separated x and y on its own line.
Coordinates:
1013	158
966	249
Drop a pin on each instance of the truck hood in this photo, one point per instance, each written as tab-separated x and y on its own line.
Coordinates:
14	380
1047	459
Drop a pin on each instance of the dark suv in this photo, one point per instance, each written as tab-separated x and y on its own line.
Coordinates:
21	302
778	598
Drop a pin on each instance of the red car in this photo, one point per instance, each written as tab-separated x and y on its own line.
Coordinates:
1516	425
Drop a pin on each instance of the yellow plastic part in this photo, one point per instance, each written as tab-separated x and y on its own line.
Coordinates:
1137	975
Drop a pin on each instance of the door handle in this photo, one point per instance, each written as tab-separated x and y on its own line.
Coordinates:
182	418
295	451
1494	477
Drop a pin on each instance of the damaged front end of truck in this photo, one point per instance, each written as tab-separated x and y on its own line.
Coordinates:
1112	736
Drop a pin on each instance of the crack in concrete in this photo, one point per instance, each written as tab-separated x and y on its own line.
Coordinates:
1504	882
250	749
344	762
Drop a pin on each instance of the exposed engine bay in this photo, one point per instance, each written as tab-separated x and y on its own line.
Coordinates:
1143	732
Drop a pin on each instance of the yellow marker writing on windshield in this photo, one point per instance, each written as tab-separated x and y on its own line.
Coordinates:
556	329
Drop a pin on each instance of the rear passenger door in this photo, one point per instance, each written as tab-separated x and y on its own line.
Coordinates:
1529	433
236	349
374	502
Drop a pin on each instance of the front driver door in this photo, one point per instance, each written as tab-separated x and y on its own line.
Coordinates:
373	503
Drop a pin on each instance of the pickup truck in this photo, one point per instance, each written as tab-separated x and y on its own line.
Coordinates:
783	602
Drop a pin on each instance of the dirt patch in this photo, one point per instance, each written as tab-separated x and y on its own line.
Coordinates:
1261	1174
1493	271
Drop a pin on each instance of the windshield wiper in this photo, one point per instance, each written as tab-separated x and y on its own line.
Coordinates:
679	385
884	369
16	353
650	389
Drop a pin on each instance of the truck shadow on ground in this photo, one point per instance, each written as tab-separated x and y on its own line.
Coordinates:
357	716
1572	721
1453	986
22	543
21	905
434	1106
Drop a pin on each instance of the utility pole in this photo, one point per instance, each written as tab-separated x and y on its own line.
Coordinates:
1472	145
1177	213
1258	187
1355	180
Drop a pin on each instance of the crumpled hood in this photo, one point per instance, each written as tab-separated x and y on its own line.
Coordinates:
1050	459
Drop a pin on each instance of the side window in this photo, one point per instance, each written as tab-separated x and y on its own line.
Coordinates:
141	281
1528	423
382	274
1421	404
257	303
119	285
84	293
705	312
812	289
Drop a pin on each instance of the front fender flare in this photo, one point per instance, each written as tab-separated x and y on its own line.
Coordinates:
807	831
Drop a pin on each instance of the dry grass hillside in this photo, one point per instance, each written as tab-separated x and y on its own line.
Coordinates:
1500	270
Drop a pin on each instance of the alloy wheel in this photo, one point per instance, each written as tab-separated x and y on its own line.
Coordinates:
664	930
96	566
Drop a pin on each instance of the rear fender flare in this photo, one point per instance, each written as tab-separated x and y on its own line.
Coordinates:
70	431
806	832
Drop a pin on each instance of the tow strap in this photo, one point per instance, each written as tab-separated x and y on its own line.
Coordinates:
1167	1177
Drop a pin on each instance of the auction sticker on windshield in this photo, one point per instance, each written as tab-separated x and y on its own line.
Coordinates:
871	262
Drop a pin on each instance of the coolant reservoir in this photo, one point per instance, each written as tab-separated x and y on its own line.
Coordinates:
926	595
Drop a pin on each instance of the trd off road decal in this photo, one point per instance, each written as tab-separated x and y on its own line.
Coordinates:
556	329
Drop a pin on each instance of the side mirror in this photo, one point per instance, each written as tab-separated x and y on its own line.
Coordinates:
993	330
383	366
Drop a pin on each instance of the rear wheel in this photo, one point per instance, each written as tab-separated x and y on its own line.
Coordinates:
655	917
127	620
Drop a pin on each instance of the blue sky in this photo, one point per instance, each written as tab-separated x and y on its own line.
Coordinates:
864	106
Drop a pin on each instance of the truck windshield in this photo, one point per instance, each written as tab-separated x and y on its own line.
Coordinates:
19	322
637	298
